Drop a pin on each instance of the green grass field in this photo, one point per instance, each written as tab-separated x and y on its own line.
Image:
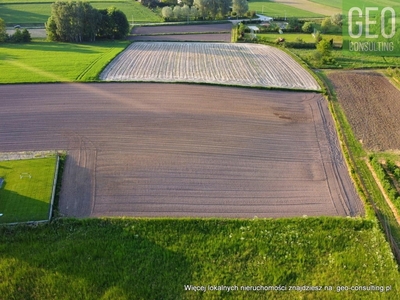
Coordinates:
38	12
155	259
42	61
332	3
26	194
291	37
349	61
273	9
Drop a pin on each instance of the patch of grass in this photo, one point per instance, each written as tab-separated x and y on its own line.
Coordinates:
42	61
278	10
293	37
332	3
22	12
26	193
156	258
388	155
345	61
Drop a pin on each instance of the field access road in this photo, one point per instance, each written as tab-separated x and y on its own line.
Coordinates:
146	149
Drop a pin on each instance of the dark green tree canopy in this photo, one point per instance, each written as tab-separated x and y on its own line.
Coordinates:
78	21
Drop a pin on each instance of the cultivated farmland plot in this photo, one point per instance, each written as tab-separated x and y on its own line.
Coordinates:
216	63
151	149
372	106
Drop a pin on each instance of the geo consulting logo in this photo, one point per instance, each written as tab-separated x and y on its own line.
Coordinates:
371	28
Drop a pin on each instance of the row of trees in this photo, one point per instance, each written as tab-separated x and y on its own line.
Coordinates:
205	9
19	36
78	21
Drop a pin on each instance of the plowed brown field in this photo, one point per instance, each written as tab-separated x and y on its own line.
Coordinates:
183	150
372	106
197	33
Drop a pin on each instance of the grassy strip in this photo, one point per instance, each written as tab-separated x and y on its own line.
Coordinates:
42	61
26	194
155	259
92	71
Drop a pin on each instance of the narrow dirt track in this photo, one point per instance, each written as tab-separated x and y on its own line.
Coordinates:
183	150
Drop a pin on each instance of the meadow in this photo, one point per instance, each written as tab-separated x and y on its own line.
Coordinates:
333	3
278	10
38	12
26	193
157	258
42	61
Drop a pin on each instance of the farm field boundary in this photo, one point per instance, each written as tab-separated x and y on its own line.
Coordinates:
167	150
40	61
29	189
367	185
214	63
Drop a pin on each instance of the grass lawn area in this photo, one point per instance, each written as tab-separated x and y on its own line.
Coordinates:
42	61
156	258
332	3
31	12
26	192
273	9
347	61
306	37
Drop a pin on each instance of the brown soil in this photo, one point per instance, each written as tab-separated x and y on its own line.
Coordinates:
206	37
205	28
203	33
372	106
183	150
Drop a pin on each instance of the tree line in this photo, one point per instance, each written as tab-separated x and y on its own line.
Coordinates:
203	9
78	21
19	36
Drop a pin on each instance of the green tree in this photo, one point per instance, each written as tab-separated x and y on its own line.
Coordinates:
193	12
308	27
213	8
326	25
72	22
120	27
3	32
225	7
114	24
185	12
324	48
240	7
201	8
337	20
167	12
177	12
